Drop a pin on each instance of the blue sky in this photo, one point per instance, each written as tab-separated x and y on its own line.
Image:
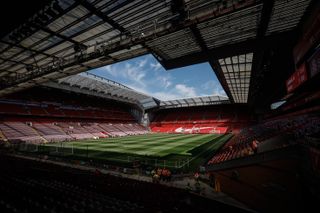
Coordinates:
146	75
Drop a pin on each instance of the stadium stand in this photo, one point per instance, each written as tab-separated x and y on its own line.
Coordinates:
37	131
33	186
250	139
58	110
14	131
201	120
26	117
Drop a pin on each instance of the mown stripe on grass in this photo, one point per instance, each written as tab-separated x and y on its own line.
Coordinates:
157	145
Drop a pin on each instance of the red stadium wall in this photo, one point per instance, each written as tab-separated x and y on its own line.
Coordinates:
201	120
41	109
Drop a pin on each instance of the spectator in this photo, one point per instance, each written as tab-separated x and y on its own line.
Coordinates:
217	185
169	175
212	180
188	187
164	174
97	172
254	146
196	176
153	172
156	178
159	173
197	187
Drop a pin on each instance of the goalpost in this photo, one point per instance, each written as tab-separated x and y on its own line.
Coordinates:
215	131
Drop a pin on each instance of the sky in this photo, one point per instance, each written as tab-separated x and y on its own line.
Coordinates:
145	74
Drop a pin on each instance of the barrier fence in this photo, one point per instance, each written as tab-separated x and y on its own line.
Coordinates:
69	150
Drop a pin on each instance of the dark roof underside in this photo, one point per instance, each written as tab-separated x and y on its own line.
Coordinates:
66	37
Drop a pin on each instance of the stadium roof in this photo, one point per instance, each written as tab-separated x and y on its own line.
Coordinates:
196	101
72	36
91	84
237	72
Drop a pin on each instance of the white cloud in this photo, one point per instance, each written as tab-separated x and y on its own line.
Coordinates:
179	91
110	69
155	66
214	88
146	75
185	91
164	81
143	62
165	96
133	73
128	72
220	92
208	85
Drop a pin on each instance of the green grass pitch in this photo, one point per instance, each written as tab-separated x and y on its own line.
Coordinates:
172	150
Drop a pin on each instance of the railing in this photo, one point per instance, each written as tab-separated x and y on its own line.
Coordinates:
287	152
69	151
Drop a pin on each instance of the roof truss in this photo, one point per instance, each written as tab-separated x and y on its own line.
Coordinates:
69	36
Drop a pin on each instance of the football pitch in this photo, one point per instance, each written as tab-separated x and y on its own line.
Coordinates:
168	150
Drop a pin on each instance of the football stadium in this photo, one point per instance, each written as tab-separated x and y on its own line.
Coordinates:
159	106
